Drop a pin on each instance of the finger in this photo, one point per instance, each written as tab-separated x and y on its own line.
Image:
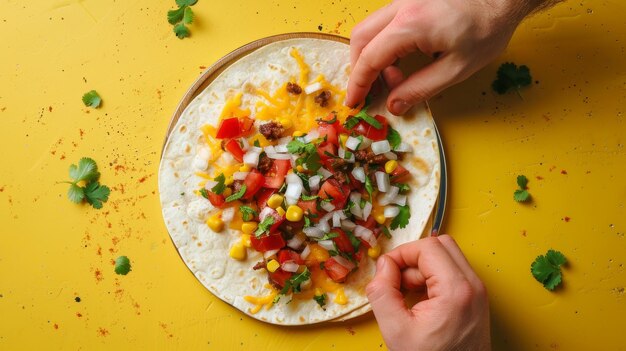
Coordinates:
457	255
413	279
381	52
384	293
368	29
393	76
425	83
429	255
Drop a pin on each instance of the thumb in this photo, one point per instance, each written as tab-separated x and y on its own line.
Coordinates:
384	293
424	84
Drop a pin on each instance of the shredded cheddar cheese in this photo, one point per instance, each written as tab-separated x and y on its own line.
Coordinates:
260	301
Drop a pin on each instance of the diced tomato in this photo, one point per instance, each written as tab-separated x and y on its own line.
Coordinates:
289	255
215	199
369	224
342	241
355	184
245	126
309	207
336	271
358	256
339	192
280	277
328	131
400	173
276	176
235	149
253	182
229	128
272	241
364	244
262	196
326	148
366	129
270	212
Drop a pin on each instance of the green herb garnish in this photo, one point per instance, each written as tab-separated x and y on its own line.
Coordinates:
93	192
181	17
264	226
521	194
402	219
509	77
122	265
547	269
237	195
320	299
92	99
247	213
393	137
294	283
220	186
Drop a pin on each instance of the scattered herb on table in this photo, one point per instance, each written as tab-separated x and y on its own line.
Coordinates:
92	99
547	269
181	17
122	265
509	76
86	172
521	194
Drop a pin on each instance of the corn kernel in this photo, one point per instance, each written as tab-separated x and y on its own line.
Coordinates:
374	252
244	168
380	218
245	240
215	223
297	133
238	252
294	213
249	227
300	168
391	166
280	211
340	297
286	123
343	138
272	266
275	201
227	192
318	292
229	180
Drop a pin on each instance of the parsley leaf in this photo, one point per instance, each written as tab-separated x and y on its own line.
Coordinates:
175	16
220	186
403	187
522	181
402	219
307	222
188	15
87	170
320	299
264	226
509	76
93	192
182	3
547	269
122	265
313	162
393	137
356	243
247	213
328	236
308	197
92	99
75	193
237	195
96	194
181	31
521	194
181	16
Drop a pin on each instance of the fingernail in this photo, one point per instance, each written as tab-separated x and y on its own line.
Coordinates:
399	107
380	263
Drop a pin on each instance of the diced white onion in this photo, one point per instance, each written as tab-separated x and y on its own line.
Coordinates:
380	147
382	181
389	196
327	206
305	253
296	241
210	184
199	163
293	192
336	219
356	210
284	140
293	178
365	234
228	158
367	209
245	145
347	225
278	156
313	232
352	143
391	211
355	197
313	134
327	244
399	200
314	183
290	266
404	147
251	158
323	226
312	88
228	214
270	253
365	143
390	155
281	148
270	149
344	262
240	175
325	173
359	174
204	153
265	212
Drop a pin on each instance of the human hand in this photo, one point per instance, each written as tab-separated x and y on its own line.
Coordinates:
461	35
454	315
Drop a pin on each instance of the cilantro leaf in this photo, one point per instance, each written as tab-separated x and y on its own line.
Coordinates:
393	137
313	162
403	187
294	282
386	231
264	226
87	170
181	31
320	299
247	213
182	3
220	186
308	197
307	222
204	193
522	181
369	187
547	269
402	219
175	16
351	122
509	76
521	195
96	194
237	195
92	99
75	193
327	236
188	15
122	265
299	147
356	243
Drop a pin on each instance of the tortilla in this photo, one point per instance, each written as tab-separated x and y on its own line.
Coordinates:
206	253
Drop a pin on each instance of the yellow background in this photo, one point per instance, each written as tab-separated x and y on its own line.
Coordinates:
571	121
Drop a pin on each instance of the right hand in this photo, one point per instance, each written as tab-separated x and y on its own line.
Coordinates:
454	315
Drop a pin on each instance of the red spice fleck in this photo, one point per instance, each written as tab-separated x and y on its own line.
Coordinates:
563	171
78	314
102	332
82	133
62	157
524	232
56	326
566	219
350	330
115	240
98	275
1	189
143	179
99	252
54	152
539	177
50	108
202	67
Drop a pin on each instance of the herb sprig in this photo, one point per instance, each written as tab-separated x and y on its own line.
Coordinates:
521	194
86	172
181	17
547	269
509	76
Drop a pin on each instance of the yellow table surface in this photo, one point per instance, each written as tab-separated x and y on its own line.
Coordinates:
567	135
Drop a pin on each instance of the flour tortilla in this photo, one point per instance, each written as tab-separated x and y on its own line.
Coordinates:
185	214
